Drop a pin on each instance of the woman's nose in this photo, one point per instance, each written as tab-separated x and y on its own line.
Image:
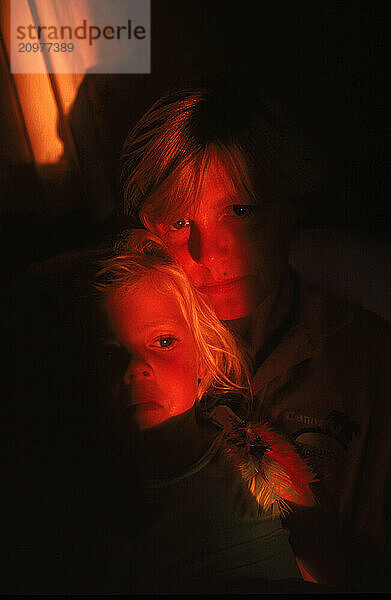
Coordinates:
207	245
137	368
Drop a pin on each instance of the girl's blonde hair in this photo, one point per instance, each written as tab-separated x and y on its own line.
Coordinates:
140	256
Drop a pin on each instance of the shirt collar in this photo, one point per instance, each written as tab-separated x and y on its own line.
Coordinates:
319	311
318	315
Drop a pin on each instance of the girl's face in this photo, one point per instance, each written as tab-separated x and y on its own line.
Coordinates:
160	367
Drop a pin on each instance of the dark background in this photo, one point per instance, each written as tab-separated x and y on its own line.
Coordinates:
325	63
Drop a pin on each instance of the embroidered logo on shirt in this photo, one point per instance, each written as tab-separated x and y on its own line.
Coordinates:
337	425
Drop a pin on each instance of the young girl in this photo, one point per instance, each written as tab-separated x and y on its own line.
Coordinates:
216	484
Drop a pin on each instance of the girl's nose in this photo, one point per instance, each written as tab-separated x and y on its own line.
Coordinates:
137	368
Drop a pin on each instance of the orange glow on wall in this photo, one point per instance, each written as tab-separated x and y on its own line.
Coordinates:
67	86
44	99
40	114
40	108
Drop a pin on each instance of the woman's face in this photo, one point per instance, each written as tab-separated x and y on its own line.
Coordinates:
153	342
233	250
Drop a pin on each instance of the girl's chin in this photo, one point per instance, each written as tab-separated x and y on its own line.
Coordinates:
150	415
160	421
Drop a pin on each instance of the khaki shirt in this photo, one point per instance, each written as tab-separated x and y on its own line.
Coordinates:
327	384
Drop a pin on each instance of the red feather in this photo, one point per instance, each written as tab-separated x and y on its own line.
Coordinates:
267	460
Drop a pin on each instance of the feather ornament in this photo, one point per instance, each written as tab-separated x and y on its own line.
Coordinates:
275	473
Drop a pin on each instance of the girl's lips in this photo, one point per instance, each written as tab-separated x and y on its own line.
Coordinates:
222	286
147	405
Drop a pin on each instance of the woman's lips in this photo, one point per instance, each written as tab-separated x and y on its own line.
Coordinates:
224	286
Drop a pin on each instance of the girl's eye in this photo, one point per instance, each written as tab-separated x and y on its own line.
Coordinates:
181	224
243	210
166	341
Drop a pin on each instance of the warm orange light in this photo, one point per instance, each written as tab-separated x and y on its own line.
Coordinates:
68	85
40	114
42	97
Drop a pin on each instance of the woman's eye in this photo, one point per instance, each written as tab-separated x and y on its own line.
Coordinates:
165	342
180	224
243	210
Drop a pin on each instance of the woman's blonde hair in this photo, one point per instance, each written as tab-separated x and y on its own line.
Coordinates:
167	154
140	256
